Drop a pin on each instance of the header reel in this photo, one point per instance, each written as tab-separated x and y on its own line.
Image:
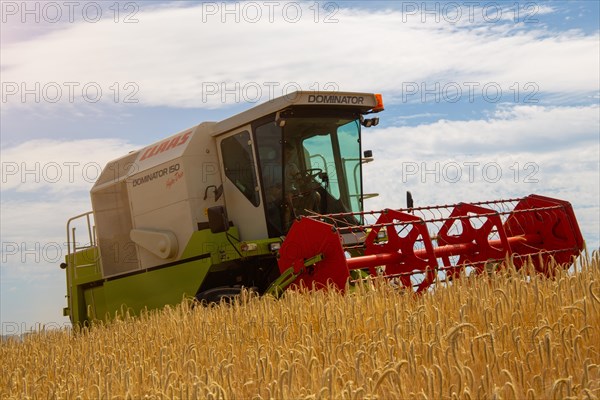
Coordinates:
417	245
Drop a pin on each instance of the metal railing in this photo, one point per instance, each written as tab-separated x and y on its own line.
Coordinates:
72	245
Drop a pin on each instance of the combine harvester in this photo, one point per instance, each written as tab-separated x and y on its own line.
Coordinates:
273	197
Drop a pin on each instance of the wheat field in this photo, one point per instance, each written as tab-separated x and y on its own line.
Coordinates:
501	337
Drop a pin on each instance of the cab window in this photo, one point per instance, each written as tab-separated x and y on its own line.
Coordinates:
238	160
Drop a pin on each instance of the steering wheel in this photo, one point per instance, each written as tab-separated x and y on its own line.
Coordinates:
313	173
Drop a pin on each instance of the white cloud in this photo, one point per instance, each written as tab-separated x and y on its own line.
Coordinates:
56	166
552	151
509	129
171	53
44	183
37	223
35	208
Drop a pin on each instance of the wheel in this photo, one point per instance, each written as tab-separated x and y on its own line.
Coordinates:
222	293
313	173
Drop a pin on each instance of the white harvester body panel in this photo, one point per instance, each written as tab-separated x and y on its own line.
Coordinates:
164	186
167	193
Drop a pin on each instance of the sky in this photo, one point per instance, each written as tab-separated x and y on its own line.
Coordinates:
484	100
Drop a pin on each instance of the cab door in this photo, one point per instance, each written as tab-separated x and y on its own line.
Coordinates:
241	186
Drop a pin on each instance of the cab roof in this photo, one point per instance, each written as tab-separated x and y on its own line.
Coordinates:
362	102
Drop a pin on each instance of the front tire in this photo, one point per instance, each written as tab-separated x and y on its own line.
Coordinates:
226	294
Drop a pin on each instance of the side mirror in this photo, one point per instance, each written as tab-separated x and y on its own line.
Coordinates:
217	219
218	191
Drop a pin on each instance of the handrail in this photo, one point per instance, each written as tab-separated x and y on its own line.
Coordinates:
71	234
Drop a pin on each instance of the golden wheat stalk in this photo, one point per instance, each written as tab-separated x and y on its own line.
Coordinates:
508	335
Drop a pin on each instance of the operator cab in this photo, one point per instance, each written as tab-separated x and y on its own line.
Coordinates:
310	163
296	155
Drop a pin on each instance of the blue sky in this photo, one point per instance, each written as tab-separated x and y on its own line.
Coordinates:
507	87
